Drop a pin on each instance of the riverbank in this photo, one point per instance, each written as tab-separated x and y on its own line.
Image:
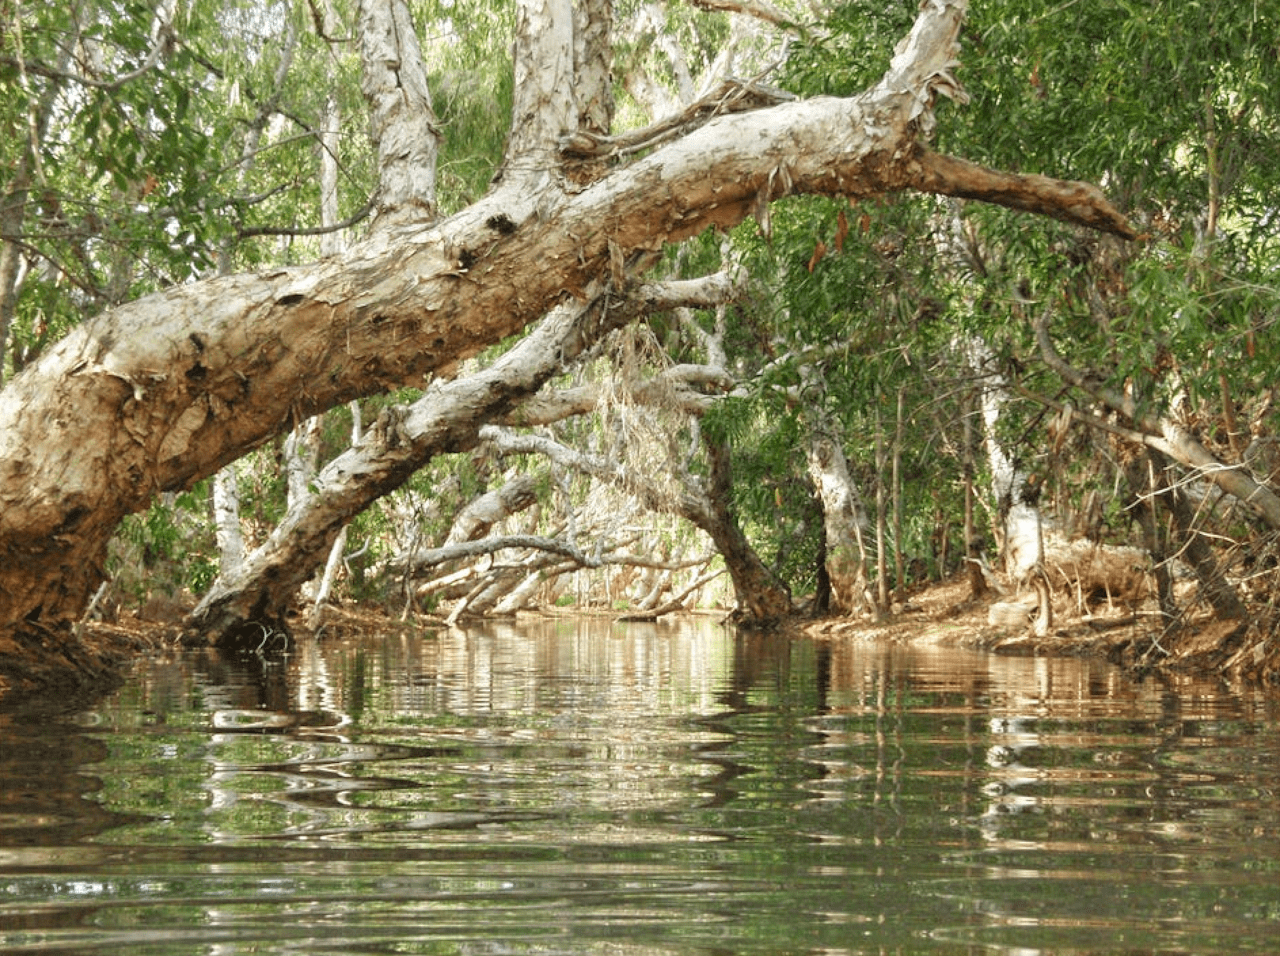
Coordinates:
944	613
94	658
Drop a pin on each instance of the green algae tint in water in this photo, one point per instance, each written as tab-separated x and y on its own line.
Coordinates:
577	787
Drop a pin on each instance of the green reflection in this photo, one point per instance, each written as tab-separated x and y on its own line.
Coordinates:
579	787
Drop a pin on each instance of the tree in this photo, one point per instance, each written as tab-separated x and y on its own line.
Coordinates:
1145	366
1135	378
162	391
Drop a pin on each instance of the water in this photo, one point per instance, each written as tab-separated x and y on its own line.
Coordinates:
580	787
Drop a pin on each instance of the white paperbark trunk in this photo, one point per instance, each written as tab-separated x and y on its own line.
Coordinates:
845	522
337	550
544	107
444	419
332	243
1023	539
520	596
161	392
226	520
402	121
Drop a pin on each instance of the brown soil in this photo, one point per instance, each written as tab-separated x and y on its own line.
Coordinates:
945	613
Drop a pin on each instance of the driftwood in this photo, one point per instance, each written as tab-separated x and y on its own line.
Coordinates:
1091	573
1086	572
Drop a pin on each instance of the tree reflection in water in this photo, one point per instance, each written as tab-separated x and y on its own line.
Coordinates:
641	788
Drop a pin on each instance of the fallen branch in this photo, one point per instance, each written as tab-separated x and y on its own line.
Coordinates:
1163	434
675	604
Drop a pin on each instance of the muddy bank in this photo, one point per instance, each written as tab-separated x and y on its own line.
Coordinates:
41	668
944	613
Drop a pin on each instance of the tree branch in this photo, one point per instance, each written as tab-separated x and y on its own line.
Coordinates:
359	215
730	96
676	603
426	558
1079	203
1163	434
431	557
760	9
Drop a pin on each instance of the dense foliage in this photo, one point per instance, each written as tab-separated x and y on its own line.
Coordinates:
147	144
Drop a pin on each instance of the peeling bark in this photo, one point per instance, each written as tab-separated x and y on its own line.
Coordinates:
399	442
446	419
161	392
403	124
1021	526
494	506
226	520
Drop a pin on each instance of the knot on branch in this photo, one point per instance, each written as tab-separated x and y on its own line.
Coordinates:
389	428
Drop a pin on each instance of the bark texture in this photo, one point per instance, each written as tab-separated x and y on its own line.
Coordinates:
403	124
161	392
763	600
844	520
446	419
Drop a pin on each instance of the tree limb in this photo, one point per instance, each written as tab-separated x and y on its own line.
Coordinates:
246	232
730	96
1164	434
431	557
676	603
1079	203
760	9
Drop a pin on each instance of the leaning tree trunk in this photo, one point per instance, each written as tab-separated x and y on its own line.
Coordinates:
762	599
446	419
400	442
1144	487
1214	586
156	394
495	505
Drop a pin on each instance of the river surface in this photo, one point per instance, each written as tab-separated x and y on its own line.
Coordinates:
574	786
